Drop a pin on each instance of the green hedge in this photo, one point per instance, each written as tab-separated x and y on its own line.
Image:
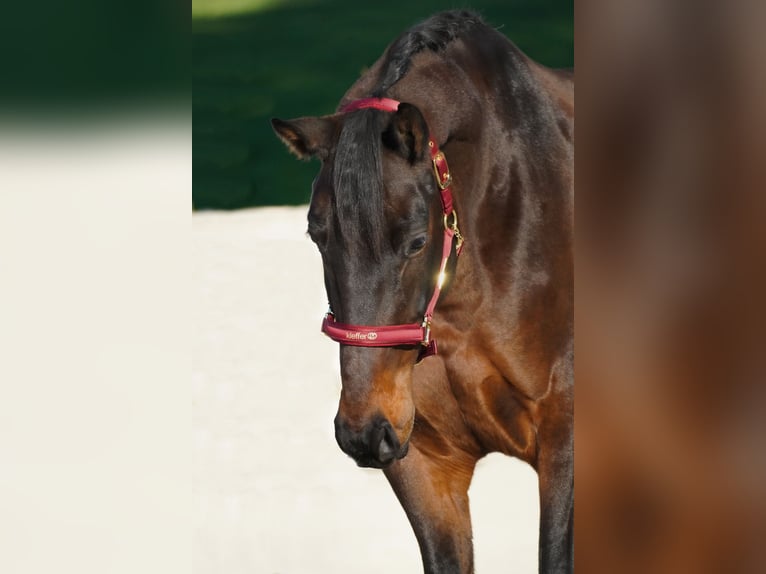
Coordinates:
256	59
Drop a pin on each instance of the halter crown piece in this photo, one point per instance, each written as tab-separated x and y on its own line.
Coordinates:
409	334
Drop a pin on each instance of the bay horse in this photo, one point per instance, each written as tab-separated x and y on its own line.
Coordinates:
443	209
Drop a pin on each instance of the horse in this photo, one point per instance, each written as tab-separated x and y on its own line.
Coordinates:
443	211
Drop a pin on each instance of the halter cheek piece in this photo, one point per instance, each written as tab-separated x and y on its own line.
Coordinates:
409	334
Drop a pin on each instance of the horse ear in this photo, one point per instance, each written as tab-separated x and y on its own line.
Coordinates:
407	133
306	137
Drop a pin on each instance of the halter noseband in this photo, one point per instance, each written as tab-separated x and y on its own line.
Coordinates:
409	334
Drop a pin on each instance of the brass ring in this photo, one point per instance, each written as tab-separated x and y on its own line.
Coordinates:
447	224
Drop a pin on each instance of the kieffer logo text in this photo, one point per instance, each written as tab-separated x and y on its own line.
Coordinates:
362	336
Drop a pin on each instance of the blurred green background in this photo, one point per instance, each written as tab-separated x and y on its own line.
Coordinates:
257	59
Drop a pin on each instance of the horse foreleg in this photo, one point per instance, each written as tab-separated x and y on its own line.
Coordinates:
556	476
434	494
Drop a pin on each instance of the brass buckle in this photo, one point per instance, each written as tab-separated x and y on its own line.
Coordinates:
427	337
447	181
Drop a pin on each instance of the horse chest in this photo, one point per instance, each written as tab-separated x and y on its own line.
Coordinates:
497	413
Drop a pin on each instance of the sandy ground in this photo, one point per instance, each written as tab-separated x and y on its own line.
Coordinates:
272	491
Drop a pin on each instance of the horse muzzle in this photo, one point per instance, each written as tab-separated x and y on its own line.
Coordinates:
376	445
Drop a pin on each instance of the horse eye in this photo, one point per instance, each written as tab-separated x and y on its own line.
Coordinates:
416	245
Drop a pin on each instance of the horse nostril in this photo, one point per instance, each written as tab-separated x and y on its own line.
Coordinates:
376	445
383	442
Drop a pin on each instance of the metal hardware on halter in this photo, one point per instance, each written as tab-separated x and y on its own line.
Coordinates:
426	332
454	228
443	176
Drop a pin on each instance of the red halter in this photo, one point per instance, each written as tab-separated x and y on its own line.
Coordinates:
410	333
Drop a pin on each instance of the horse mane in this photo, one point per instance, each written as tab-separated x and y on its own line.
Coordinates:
434	34
357	171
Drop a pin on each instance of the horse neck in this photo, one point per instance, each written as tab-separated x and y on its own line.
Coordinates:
504	122
507	146
503	127
511	118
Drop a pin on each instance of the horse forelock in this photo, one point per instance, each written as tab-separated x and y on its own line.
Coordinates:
358	185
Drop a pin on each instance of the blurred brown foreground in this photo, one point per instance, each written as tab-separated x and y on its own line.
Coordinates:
671	277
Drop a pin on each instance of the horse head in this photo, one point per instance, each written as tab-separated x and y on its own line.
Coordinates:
376	218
